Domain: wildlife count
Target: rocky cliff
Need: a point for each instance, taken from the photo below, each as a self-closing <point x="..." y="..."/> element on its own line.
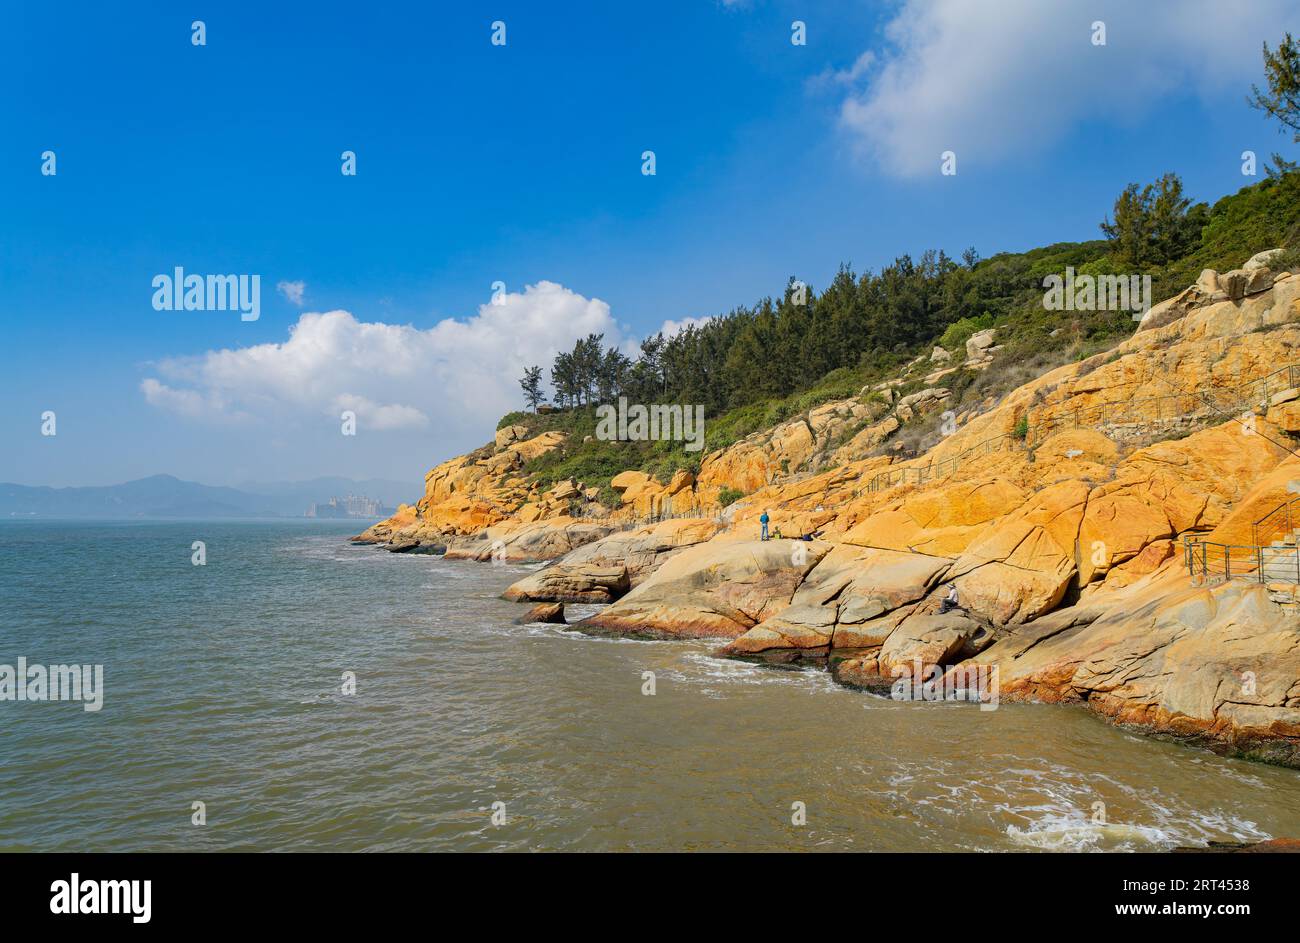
<point x="1064" y="513"/>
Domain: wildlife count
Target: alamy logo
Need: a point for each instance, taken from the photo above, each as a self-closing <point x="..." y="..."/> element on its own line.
<point x="1097" y="293"/>
<point x="76" y="896"/>
<point x="921" y="682"/>
<point x="26" y="682"/>
<point x="181" y="292"/>
<point x="657" y="422"/>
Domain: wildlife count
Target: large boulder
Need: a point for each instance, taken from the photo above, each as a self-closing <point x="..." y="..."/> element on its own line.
<point x="1233" y="284"/>
<point x="565" y="491"/>
<point x="1021" y="566"/>
<point x="582" y="574"/>
<point x="546" y="612"/>
<point x="865" y="440"/>
<point x="718" y="589"/>
<point x="844" y="601"/>
<point x="978" y="344"/>
<point x="628" y="479"/>
<point x="402" y="545"/>
<point x="1215" y="664"/>
<point x="801" y="626"/>
<point x="582" y="582"/>
<point x="527" y="543"/>
<point x="921" y="402"/>
<point x="682" y="480"/>
<point x="930" y="640"/>
<point x="508" y="435"/>
<point x="1241" y="282"/>
<point x="1263" y="260"/>
<point x="1259" y="280"/>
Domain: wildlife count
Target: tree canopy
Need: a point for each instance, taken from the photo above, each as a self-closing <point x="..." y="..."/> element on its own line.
<point x="1282" y="101"/>
<point x="1154" y="225"/>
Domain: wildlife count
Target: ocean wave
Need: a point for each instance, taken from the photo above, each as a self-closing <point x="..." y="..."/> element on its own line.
<point x="1075" y="833"/>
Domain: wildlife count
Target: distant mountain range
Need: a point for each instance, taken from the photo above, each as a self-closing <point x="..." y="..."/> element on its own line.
<point x="168" y="496"/>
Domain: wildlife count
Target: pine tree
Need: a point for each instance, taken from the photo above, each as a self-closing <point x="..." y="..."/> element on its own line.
<point x="1282" y="71"/>
<point x="1130" y="232"/>
<point x="564" y="380"/>
<point x="614" y="366"/>
<point x="1154" y="224"/>
<point x="532" y="386"/>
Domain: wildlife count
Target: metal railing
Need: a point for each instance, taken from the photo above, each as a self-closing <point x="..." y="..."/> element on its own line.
<point x="1211" y="562"/>
<point x="1147" y="409"/>
<point x="695" y="511"/>
<point x="1173" y="405"/>
<point x="1281" y="521"/>
<point x="935" y="470"/>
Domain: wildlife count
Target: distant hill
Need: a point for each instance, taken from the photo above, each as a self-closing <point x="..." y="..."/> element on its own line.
<point x="163" y="496"/>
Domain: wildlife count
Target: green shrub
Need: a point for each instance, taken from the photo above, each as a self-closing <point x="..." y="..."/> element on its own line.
<point x="961" y="330"/>
<point x="514" y="419"/>
<point x="729" y="496"/>
<point x="1289" y="259"/>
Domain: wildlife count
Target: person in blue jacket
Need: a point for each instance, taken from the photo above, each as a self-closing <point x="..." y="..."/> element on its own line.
<point x="763" y="520"/>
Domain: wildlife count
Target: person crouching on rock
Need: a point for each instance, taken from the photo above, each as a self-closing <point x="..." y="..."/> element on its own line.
<point x="950" y="601"/>
<point x="763" y="521"/>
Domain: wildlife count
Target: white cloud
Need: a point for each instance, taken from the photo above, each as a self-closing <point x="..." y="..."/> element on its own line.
<point x="293" y="291"/>
<point x="991" y="81"/>
<point x="459" y="375"/>
<point x="189" y="403"/>
<point x="381" y="416"/>
<point x="831" y="77"/>
<point x="671" y="327"/>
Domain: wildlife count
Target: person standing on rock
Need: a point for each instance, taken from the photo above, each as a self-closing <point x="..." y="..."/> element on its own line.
<point x="763" y="520"/>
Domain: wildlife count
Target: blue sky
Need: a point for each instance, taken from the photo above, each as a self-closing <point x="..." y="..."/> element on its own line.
<point x="522" y="164"/>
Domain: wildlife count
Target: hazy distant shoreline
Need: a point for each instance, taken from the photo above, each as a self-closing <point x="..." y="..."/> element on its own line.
<point x="165" y="497"/>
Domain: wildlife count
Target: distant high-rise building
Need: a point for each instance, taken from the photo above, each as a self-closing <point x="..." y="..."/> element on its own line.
<point x="351" y="505"/>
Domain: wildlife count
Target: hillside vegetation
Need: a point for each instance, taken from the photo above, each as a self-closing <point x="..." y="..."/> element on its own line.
<point x="758" y="366"/>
